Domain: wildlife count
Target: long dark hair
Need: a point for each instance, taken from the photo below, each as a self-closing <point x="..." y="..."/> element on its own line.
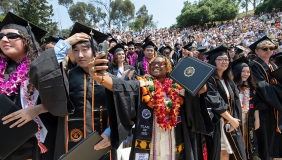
<point x="238" y="79"/>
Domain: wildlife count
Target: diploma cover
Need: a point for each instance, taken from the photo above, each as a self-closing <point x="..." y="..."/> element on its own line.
<point x="85" y="149"/>
<point x="192" y="73"/>
<point x="12" y="138"/>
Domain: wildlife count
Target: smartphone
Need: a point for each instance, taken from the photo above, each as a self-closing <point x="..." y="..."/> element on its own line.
<point x="227" y="127"/>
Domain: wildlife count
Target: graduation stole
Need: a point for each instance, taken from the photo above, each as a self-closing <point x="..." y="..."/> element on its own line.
<point x="271" y="81"/>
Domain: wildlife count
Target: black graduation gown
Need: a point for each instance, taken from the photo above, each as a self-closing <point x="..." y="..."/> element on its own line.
<point x="216" y="99"/>
<point x="140" y="69"/>
<point x="176" y="57"/>
<point x="30" y="148"/>
<point x="126" y="110"/>
<point x="269" y="97"/>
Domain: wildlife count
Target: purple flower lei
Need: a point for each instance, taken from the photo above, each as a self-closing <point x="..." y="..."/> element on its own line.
<point x="9" y="87"/>
<point x="132" y="58"/>
<point x="145" y="65"/>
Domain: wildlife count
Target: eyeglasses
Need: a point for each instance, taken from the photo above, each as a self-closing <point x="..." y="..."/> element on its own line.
<point x="158" y="63"/>
<point x="222" y="60"/>
<point x="10" y="35"/>
<point x="130" y="48"/>
<point x="266" y="49"/>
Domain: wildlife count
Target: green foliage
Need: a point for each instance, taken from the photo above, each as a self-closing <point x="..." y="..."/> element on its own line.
<point x="205" y="11"/>
<point x="143" y="19"/>
<point x="1" y="17"/>
<point x="65" y="32"/>
<point x="115" y="12"/>
<point x="8" y="5"/>
<point x="38" y="13"/>
<point x="268" y="6"/>
<point x="66" y="3"/>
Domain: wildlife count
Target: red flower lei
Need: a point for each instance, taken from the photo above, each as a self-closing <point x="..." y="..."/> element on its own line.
<point x="166" y="108"/>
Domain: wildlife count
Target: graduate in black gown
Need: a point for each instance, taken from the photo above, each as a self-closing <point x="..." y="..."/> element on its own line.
<point x="132" y="105"/>
<point x="166" y="51"/>
<point x="268" y="101"/>
<point x="19" y="47"/>
<point x="150" y="51"/>
<point x="246" y="85"/>
<point x="223" y="99"/>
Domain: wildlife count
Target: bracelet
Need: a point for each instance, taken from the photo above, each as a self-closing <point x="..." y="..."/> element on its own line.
<point x="103" y="80"/>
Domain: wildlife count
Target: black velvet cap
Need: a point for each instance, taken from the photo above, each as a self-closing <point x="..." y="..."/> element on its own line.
<point x="51" y="39"/>
<point x="202" y="49"/>
<point x="150" y="44"/>
<point x="239" y="49"/>
<point x="254" y="45"/>
<point x="148" y="39"/>
<point x="130" y="44"/>
<point x="113" y="40"/>
<point x="116" y="48"/>
<point x="240" y="60"/>
<point x="98" y="36"/>
<point x="168" y="48"/>
<point x="218" y="51"/>
<point x="188" y="46"/>
<point x="12" y="21"/>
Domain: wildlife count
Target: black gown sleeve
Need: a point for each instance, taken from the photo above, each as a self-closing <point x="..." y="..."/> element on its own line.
<point x="122" y="105"/>
<point x="213" y="98"/>
<point x="271" y="94"/>
<point x="50" y="80"/>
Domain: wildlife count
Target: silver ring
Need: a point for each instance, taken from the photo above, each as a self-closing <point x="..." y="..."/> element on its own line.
<point x="92" y="69"/>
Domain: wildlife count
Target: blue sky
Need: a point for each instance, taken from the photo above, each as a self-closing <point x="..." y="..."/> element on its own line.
<point x="164" y="11"/>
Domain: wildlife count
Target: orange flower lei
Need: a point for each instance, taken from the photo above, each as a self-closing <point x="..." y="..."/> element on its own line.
<point x="166" y="109"/>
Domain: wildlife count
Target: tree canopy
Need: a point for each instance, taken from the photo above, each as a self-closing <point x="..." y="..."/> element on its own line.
<point x="205" y="11"/>
<point x="268" y="6"/>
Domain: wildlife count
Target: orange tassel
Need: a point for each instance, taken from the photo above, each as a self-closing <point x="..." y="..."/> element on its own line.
<point x="43" y="149"/>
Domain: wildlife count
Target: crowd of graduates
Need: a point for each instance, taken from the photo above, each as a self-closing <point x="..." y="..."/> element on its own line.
<point x="119" y="86"/>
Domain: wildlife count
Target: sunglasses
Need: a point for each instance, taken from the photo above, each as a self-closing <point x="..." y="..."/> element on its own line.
<point x="10" y="35"/>
<point x="158" y="63"/>
<point x="130" y="48"/>
<point x="266" y="49"/>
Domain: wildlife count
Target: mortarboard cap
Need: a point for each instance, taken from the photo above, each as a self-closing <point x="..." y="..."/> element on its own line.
<point x="113" y="40"/>
<point x="188" y="46"/>
<point x="276" y="55"/>
<point x="149" y="44"/>
<point x="99" y="37"/>
<point x="130" y="43"/>
<point x="218" y="51"/>
<point x="167" y="48"/>
<point x="123" y="43"/>
<point x="254" y="45"/>
<point x="240" y="61"/>
<point x="138" y="44"/>
<point x="148" y="39"/>
<point x="116" y="48"/>
<point x="12" y="21"/>
<point x="51" y="39"/>
<point x="202" y="49"/>
<point x="239" y="49"/>
<point x="161" y="49"/>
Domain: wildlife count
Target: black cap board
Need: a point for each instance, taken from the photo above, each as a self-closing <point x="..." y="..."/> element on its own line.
<point x="167" y="48"/>
<point x="98" y="36"/>
<point x="113" y="40"/>
<point x="116" y="48"/>
<point x="130" y="44"/>
<point x="148" y="39"/>
<point x="254" y="45"/>
<point x="150" y="44"/>
<point x="218" y="51"/>
<point x="51" y="39"/>
<point x="202" y="49"/>
<point x="138" y="44"/>
<point x="188" y="46"/>
<point x="12" y="21"/>
<point x="240" y="60"/>
<point x="239" y="49"/>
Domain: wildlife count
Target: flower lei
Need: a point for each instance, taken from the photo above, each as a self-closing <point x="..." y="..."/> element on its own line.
<point x="166" y="108"/>
<point x="145" y="65"/>
<point x="17" y="78"/>
<point x="132" y="58"/>
<point x="246" y="99"/>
